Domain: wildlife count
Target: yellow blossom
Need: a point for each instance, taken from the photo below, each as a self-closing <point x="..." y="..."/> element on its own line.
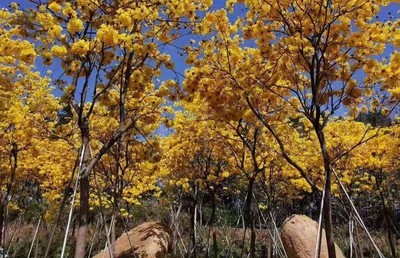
<point x="28" y="55"/>
<point x="108" y="35"/>
<point x="55" y="31"/>
<point x="81" y="47"/>
<point x="55" y="7"/>
<point x="59" y="51"/>
<point x="74" y="25"/>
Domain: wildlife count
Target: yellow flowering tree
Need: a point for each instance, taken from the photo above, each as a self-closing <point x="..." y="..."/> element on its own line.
<point x="370" y="171"/>
<point x="110" y="53"/>
<point x="250" y="158"/>
<point x="197" y="165"/>
<point x="291" y="59"/>
<point x="28" y="114"/>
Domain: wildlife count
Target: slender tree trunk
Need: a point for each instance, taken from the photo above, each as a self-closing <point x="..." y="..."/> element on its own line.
<point x="193" y="227"/>
<point x="328" y="218"/>
<point x="388" y="227"/>
<point x="327" y="212"/>
<point x="252" y="240"/>
<point x="113" y="235"/>
<point x="6" y="243"/>
<point x="193" y="222"/>
<point x="175" y="234"/>
<point x="2" y="210"/>
<point x="211" y="230"/>
<point x="390" y="238"/>
<point x="81" y="241"/>
<point x="264" y="252"/>
<point x="215" y="243"/>
<point x="5" y="200"/>
<point x="386" y="214"/>
<point x="80" y="248"/>
<point x="249" y="217"/>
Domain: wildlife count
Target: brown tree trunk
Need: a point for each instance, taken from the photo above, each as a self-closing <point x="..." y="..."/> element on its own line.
<point x="328" y="218"/>
<point x="80" y="248"/>
<point x="1" y="225"/>
<point x="249" y="217"/>
<point x="193" y="222"/>
<point x="327" y="212"/>
<point x="386" y="214"/>
<point x="81" y="236"/>
<point x="390" y="238"/>
<point x="215" y="243"/>
<point x="388" y="227"/>
<point x="252" y="240"/>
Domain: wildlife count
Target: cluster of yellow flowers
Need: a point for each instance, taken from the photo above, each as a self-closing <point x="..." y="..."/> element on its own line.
<point x="108" y="35"/>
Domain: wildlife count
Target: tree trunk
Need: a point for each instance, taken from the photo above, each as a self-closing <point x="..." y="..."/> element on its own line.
<point x="193" y="222"/>
<point x="81" y="236"/>
<point x="390" y="238"/>
<point x="215" y="244"/>
<point x="113" y="236"/>
<point x="252" y="240"/>
<point x="386" y="215"/>
<point x="80" y="248"/>
<point x="328" y="218"/>
<point x="1" y="225"/>
<point x="388" y="227"/>
<point x="193" y="229"/>
<point x="327" y="212"/>
<point x="249" y="217"/>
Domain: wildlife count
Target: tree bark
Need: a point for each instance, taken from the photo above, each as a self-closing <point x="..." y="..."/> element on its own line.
<point x="327" y="212"/>
<point x="80" y="247"/>
<point x="328" y="218"/>
<point x="386" y="215"/>
<point x="249" y="217"/>
<point x="193" y="222"/>
<point x="388" y="227"/>
<point x="193" y="231"/>
<point x="113" y="236"/>
<point x="211" y="230"/>
<point x="215" y="244"/>
<point x="1" y="225"/>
